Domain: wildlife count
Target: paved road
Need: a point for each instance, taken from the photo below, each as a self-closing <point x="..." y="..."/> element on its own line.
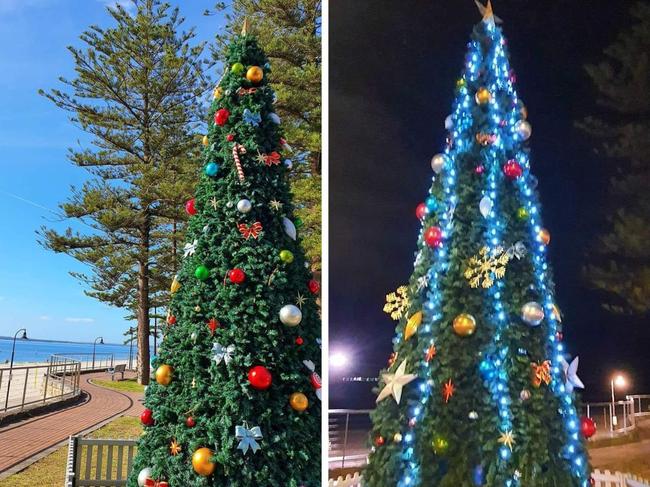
<point x="25" y="440"/>
<point x="632" y="457"/>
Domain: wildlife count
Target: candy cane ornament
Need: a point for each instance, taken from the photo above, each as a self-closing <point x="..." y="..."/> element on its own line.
<point x="238" y="149"/>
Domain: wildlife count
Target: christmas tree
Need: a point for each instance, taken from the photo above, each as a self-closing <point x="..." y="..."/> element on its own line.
<point x="478" y="390"/>
<point x="236" y="399"/>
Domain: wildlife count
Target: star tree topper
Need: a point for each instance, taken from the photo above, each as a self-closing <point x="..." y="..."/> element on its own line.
<point x="487" y="13"/>
<point x="395" y="383"/>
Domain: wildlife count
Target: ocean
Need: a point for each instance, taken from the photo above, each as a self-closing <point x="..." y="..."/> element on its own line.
<point x="34" y="350"/>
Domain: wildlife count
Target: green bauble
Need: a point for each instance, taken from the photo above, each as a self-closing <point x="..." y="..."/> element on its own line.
<point x="237" y="68"/>
<point x="202" y="273"/>
<point x="297" y="222"/>
<point x="286" y="256"/>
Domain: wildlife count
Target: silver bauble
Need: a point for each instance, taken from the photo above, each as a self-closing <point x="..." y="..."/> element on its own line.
<point x="438" y="163"/>
<point x="524" y="395"/>
<point x="523" y="129"/>
<point x="144" y="474"/>
<point x="244" y="206"/>
<point x="290" y="315"/>
<point x="288" y="163"/>
<point x="449" y="122"/>
<point x="532" y="313"/>
<point x="473" y="415"/>
<point x="194" y="336"/>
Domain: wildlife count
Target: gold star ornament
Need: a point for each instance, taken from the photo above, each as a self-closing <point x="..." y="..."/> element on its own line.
<point x="507" y="439"/>
<point x="174" y="448"/>
<point x="300" y="300"/>
<point x="394" y="383"/>
<point x="276" y="205"/>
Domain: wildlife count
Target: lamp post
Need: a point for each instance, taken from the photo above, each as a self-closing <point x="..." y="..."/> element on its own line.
<point x="11" y="365"/>
<point x="617" y="381"/>
<point x="101" y="342"/>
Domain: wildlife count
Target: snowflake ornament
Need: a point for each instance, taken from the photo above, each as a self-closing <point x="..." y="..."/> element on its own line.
<point x="483" y="269"/>
<point x="397" y="303"/>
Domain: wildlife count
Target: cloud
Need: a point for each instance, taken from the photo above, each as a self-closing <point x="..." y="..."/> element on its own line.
<point x="127" y="5"/>
<point x="79" y="320"/>
<point x="45" y="318"/>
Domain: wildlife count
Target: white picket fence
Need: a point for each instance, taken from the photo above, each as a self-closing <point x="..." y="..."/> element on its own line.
<point x="603" y="479"/>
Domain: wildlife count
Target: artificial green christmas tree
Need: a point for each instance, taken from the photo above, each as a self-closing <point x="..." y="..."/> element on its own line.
<point x="236" y="400"/>
<point x="478" y="391"/>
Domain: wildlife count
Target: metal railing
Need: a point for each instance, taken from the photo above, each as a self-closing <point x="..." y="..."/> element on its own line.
<point x="89" y="361"/>
<point x="349" y="428"/>
<point x="99" y="462"/>
<point x="348" y="433"/>
<point x="27" y="386"/>
<point x="617" y="418"/>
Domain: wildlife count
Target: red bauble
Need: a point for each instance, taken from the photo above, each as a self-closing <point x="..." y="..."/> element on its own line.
<point x="230" y="137"/>
<point x="260" y="377"/>
<point x="146" y="417"/>
<point x="315" y="380"/>
<point x="480" y="169"/>
<point x="421" y="211"/>
<point x="171" y="320"/>
<point x="300" y="341"/>
<point x="236" y="276"/>
<point x="190" y="207"/>
<point x="559" y="336"/>
<point x="433" y="236"/>
<point x="314" y="286"/>
<point x="221" y="116"/>
<point x="587" y="426"/>
<point x="189" y="422"/>
<point x="512" y="169"/>
<point x="379" y="440"/>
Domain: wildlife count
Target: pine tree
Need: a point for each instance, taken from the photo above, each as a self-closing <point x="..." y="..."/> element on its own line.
<point x="478" y="391"/>
<point x="236" y="399"/>
<point x="619" y="263"/>
<point x="134" y="94"/>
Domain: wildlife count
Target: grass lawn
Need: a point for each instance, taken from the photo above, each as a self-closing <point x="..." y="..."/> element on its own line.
<point x="50" y="471"/>
<point x="126" y="385"/>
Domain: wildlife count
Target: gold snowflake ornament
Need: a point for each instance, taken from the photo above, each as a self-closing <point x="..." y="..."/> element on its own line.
<point x="397" y="303"/>
<point x="483" y="269"/>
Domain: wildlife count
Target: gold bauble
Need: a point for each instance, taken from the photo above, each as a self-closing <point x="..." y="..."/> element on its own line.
<point x="205" y="140"/>
<point x="440" y="445"/>
<point x="522" y="213"/>
<point x="545" y="236"/>
<point x="464" y="325"/>
<point x="201" y="462"/>
<point x="483" y="96"/>
<point x="412" y="325"/>
<point x="397" y="438"/>
<point x="299" y="401"/>
<point x="460" y="83"/>
<point x="164" y="375"/>
<point x="254" y="74"/>
<point x="217" y="93"/>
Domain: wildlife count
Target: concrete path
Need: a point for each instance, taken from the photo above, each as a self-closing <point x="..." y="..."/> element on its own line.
<point x="631" y="457"/>
<point x="30" y="439"/>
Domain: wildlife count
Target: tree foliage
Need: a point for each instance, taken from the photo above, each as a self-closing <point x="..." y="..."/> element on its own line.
<point x="134" y="92"/>
<point x="289" y="32"/>
<point x="619" y="263"/>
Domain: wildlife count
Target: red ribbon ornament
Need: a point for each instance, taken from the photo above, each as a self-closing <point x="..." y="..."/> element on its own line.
<point x="272" y="159"/>
<point x="250" y="231"/>
<point x="246" y="91"/>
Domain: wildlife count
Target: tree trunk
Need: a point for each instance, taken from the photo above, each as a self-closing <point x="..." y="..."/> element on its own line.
<point x="143" y="307"/>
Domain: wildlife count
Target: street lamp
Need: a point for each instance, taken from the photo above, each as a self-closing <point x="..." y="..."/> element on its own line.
<point x="339" y="360"/>
<point x="11" y="365"/>
<point x="619" y="382"/>
<point x="101" y="342"/>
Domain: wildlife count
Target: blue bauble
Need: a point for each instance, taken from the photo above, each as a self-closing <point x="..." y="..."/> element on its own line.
<point x="478" y="475"/>
<point x="431" y="203"/>
<point x="211" y="169"/>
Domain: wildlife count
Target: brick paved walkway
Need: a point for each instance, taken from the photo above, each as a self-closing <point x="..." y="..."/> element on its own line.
<point x="26" y="439"/>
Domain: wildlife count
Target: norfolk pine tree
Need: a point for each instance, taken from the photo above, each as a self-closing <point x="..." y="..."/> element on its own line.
<point x="620" y="261"/>
<point x="134" y="92"/>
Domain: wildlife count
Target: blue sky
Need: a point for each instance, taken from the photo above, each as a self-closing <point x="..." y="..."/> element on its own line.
<point x="36" y="290"/>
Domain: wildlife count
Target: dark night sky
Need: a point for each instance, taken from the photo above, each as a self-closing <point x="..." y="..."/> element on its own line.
<point x="393" y="66"/>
